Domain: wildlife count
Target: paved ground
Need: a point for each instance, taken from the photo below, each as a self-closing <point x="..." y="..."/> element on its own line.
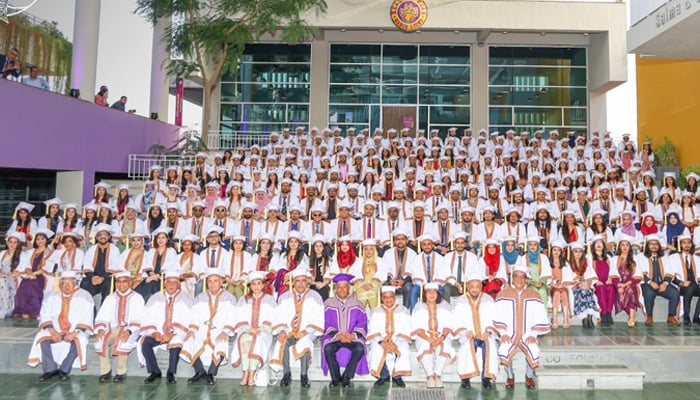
<point x="85" y="388"/>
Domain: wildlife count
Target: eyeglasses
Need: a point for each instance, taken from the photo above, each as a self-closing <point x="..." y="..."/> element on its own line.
<point x="220" y="210"/>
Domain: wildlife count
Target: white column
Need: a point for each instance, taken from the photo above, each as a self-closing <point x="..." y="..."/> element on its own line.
<point x="159" y="76"/>
<point x="86" y="30"/>
<point x="69" y="186"/>
<point x="479" y="87"/>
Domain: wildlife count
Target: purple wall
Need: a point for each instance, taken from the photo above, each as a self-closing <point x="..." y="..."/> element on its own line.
<point x="44" y="130"/>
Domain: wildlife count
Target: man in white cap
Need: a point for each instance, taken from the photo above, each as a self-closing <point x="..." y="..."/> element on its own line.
<point x="459" y="263"/>
<point x="247" y="227"/>
<point x="213" y="319"/>
<point x="658" y="279"/>
<point x="99" y="262"/>
<point x="686" y="278"/>
<point x="473" y="325"/>
<point x="220" y="218"/>
<point x="65" y="325"/>
<point x="197" y="223"/>
<point x="164" y="327"/>
<point x="389" y="334"/>
<point x="513" y="305"/>
<point x="300" y="321"/>
<point x="117" y="324"/>
<point x="427" y="267"/>
<point x="397" y="261"/>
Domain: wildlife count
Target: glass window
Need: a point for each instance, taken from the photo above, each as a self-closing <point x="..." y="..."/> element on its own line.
<point x="538" y="88"/>
<point x="404" y="54"/>
<point x="435" y="78"/>
<point x="349" y="114"/>
<point x="269" y="90"/>
<point x="355" y="94"/>
<point x="443" y="75"/>
<point x="355" y="53"/>
<point x="444" y="55"/>
<point x="507" y="95"/>
<point x="534" y="77"/>
<point x="457" y="95"/>
<point x="537" y="56"/>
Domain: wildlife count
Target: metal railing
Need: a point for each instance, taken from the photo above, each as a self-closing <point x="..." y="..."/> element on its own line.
<point x="227" y="140"/>
<point x="140" y="164"/>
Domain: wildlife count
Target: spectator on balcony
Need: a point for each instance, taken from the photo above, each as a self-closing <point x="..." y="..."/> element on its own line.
<point x="10" y="65"/>
<point x="117" y="105"/>
<point x="101" y="96"/>
<point x="35" y="80"/>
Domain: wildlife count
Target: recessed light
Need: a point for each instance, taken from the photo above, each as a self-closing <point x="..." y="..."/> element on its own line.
<point x="456" y="31"/>
<point x="381" y="31"/>
<point x="343" y="30"/>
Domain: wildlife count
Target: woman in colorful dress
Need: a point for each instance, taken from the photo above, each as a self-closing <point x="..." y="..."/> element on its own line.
<point x="604" y="288"/>
<point x="289" y="259"/>
<point x="557" y="288"/>
<point x="540" y="270"/>
<point x="580" y="279"/>
<point x="626" y="280"/>
<point x="10" y="259"/>
<point x="30" y="292"/>
<point x="494" y="268"/>
<point x="345" y="257"/>
<point x="262" y="260"/>
<point x="368" y="274"/>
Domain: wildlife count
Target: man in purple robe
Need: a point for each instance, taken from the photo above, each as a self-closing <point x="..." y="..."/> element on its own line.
<point x="343" y="343"/>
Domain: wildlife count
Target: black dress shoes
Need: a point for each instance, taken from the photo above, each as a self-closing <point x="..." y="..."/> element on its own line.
<point x="62" y="376"/>
<point x="346" y="381"/>
<point x="171" y="378"/>
<point x="47" y="375"/>
<point x="381" y="381"/>
<point x="210" y="379"/>
<point x="119" y="378"/>
<point x="398" y="381"/>
<point x="286" y="379"/>
<point x="152" y="377"/>
<point x="305" y="381"/>
<point x="333" y="383"/>
<point x="197" y="377"/>
<point x="106" y="377"/>
<point x="466" y="384"/>
<point x="486" y="383"/>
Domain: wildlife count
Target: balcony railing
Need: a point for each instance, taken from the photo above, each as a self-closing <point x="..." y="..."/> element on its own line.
<point x="140" y="164"/>
<point x="227" y="140"/>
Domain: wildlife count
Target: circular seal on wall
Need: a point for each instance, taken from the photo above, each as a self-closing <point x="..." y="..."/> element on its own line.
<point x="408" y="15"/>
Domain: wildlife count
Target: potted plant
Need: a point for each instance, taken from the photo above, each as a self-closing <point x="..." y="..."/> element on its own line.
<point x="665" y="159"/>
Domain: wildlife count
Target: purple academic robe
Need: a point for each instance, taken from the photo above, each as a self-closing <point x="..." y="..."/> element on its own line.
<point x="348" y="319"/>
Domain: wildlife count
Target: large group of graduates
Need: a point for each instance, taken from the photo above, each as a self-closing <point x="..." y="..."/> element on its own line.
<point x="467" y="245"/>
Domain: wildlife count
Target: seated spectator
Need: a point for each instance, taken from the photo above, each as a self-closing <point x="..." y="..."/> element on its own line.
<point x="120" y="104"/>
<point x="10" y="65"/>
<point x="35" y="80"/>
<point x="101" y="96"/>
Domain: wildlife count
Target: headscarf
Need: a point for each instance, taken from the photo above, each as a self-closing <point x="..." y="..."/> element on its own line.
<point x="533" y="257"/>
<point x="346" y="258"/>
<point x="674" y="230"/>
<point x="510" y="256"/>
<point x="492" y="261"/>
<point x="648" y="230"/>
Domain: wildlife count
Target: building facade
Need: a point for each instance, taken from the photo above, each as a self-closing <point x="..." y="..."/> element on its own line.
<point x="495" y="65"/>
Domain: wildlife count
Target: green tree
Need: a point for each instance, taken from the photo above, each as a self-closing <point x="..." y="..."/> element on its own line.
<point x="213" y="33"/>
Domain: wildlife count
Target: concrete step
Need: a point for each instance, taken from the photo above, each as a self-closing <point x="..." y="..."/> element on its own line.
<point x="577" y="377"/>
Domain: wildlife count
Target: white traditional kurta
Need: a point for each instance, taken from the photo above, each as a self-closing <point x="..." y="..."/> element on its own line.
<point x="211" y="314"/>
<point x="80" y="310"/>
<point x="395" y="324"/>
<point x="255" y="313"/>
<point x="311" y="319"/>
<point x="119" y="315"/>
<point x="154" y="320"/>
<point x="475" y="317"/>
<point x="520" y="315"/>
<point x="433" y="324"/>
